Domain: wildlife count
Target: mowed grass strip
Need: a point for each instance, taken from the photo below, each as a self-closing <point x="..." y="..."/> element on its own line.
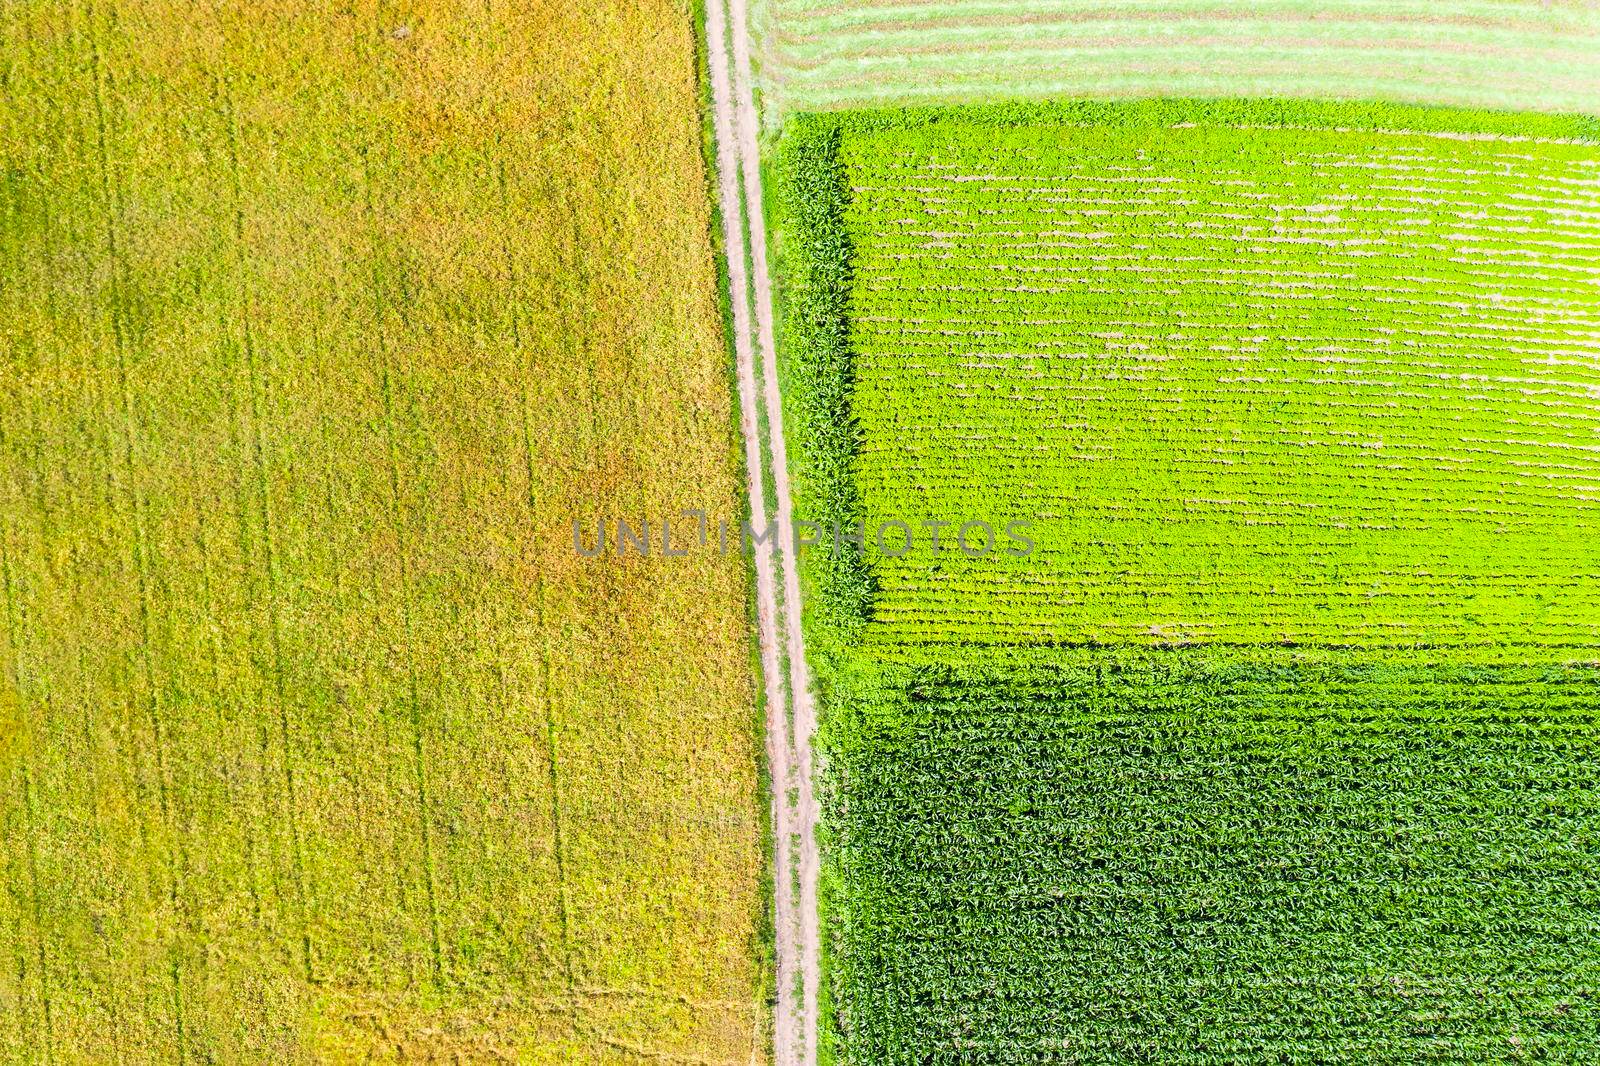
<point x="1197" y="856"/>
<point x="1522" y="54"/>
<point x="317" y="743"/>
<point x="1251" y="372"/>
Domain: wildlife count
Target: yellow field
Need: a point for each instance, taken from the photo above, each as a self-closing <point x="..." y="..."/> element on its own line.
<point x="317" y="741"/>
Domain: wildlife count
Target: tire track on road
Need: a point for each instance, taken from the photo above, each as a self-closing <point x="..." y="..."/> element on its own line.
<point x="790" y="725"/>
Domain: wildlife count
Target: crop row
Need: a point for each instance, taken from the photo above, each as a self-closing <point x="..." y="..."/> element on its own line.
<point x="1280" y="397"/>
<point x="1498" y="53"/>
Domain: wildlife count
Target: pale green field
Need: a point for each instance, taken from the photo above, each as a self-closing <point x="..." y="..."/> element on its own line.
<point x="317" y="743"/>
<point x="1521" y="54"/>
<point x="1247" y="384"/>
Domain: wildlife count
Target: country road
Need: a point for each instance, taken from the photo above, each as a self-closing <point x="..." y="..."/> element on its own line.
<point x="791" y="711"/>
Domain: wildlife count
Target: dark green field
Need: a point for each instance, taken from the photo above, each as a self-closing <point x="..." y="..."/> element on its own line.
<point x="1201" y="857"/>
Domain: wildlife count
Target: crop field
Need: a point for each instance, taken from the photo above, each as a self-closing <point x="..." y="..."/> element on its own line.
<point x="1188" y="856"/>
<point x="317" y="742"/>
<point x="1522" y="54"/>
<point x="1250" y="381"/>
<point x="1277" y="742"/>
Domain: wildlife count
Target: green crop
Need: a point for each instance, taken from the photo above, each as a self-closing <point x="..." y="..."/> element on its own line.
<point x="1173" y="856"/>
<point x="1279" y="745"/>
<point x="1250" y="372"/>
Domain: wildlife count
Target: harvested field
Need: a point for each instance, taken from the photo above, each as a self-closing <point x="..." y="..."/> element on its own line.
<point x="317" y="742"/>
<point x="1523" y="54"/>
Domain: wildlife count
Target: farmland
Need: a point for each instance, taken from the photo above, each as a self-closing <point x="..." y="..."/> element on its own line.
<point x="1203" y="857"/>
<point x="317" y="743"/>
<point x="1278" y="742"/>
<point x="1521" y="54"/>
<point x="1251" y="384"/>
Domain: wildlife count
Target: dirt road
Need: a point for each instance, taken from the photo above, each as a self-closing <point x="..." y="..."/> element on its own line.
<point x="791" y="722"/>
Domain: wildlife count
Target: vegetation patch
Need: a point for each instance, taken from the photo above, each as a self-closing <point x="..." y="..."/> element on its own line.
<point x="1277" y="743"/>
<point x="1187" y="856"/>
<point x="1526" y="54"/>
<point x="1248" y="371"/>
<point x="321" y="325"/>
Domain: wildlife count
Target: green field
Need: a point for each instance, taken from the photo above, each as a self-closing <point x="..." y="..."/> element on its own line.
<point x="1164" y="857"/>
<point x="1248" y="381"/>
<point x="1279" y="744"/>
<point x="317" y="741"/>
<point x="1523" y="54"/>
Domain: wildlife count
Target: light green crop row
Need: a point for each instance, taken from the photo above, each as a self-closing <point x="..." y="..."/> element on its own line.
<point x="1250" y="375"/>
<point x="1527" y="54"/>
<point x="1247" y="373"/>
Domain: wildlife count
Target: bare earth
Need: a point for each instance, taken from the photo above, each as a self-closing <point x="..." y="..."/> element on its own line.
<point x="791" y="723"/>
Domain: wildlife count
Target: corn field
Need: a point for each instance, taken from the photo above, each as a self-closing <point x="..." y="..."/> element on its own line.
<point x="1278" y="745"/>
